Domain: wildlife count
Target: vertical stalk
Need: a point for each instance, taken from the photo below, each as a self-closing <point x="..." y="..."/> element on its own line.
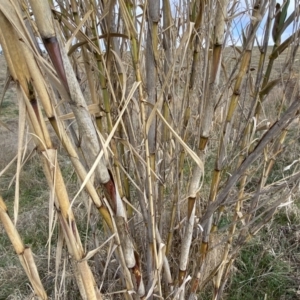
<point x="128" y="14"/>
<point x="236" y="217"/>
<point x="151" y="84"/>
<point x="24" y="253"/>
<point x="232" y="107"/>
<point x="165" y="139"/>
<point x="10" y="40"/>
<point x="90" y="143"/>
<point x="208" y="110"/>
<point x="225" y="264"/>
<point x="102" y="76"/>
<point x="86" y="59"/>
<point x="182" y="155"/>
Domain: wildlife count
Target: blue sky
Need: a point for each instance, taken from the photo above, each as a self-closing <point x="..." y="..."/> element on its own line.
<point x="242" y="20"/>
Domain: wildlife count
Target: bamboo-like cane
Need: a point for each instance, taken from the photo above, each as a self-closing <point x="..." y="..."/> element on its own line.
<point x="103" y="72"/>
<point x="128" y="15"/>
<point x="89" y="136"/>
<point x="63" y="204"/>
<point x="236" y="217"/>
<point x="24" y="253"/>
<point x="150" y="155"/>
<point x="120" y="82"/>
<point x="220" y="286"/>
<point x="21" y="72"/>
<point x="221" y="13"/>
<point x="244" y="146"/>
<point x="232" y="106"/>
<point x="165" y="138"/>
<point x="153" y="16"/>
<point x="87" y="62"/>
<point x="280" y="16"/>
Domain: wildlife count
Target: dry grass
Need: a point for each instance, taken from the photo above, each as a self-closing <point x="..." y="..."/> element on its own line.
<point x="224" y="160"/>
<point x="33" y="218"/>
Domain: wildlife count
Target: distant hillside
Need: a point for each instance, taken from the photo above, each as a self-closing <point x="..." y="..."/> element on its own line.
<point x="280" y="64"/>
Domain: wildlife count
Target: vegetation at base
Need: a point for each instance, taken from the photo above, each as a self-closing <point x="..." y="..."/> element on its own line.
<point x="260" y="275"/>
<point x="149" y="150"/>
<point x="267" y="268"/>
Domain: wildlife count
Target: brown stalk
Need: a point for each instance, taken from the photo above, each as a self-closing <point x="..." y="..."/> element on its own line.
<point x="90" y="140"/>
